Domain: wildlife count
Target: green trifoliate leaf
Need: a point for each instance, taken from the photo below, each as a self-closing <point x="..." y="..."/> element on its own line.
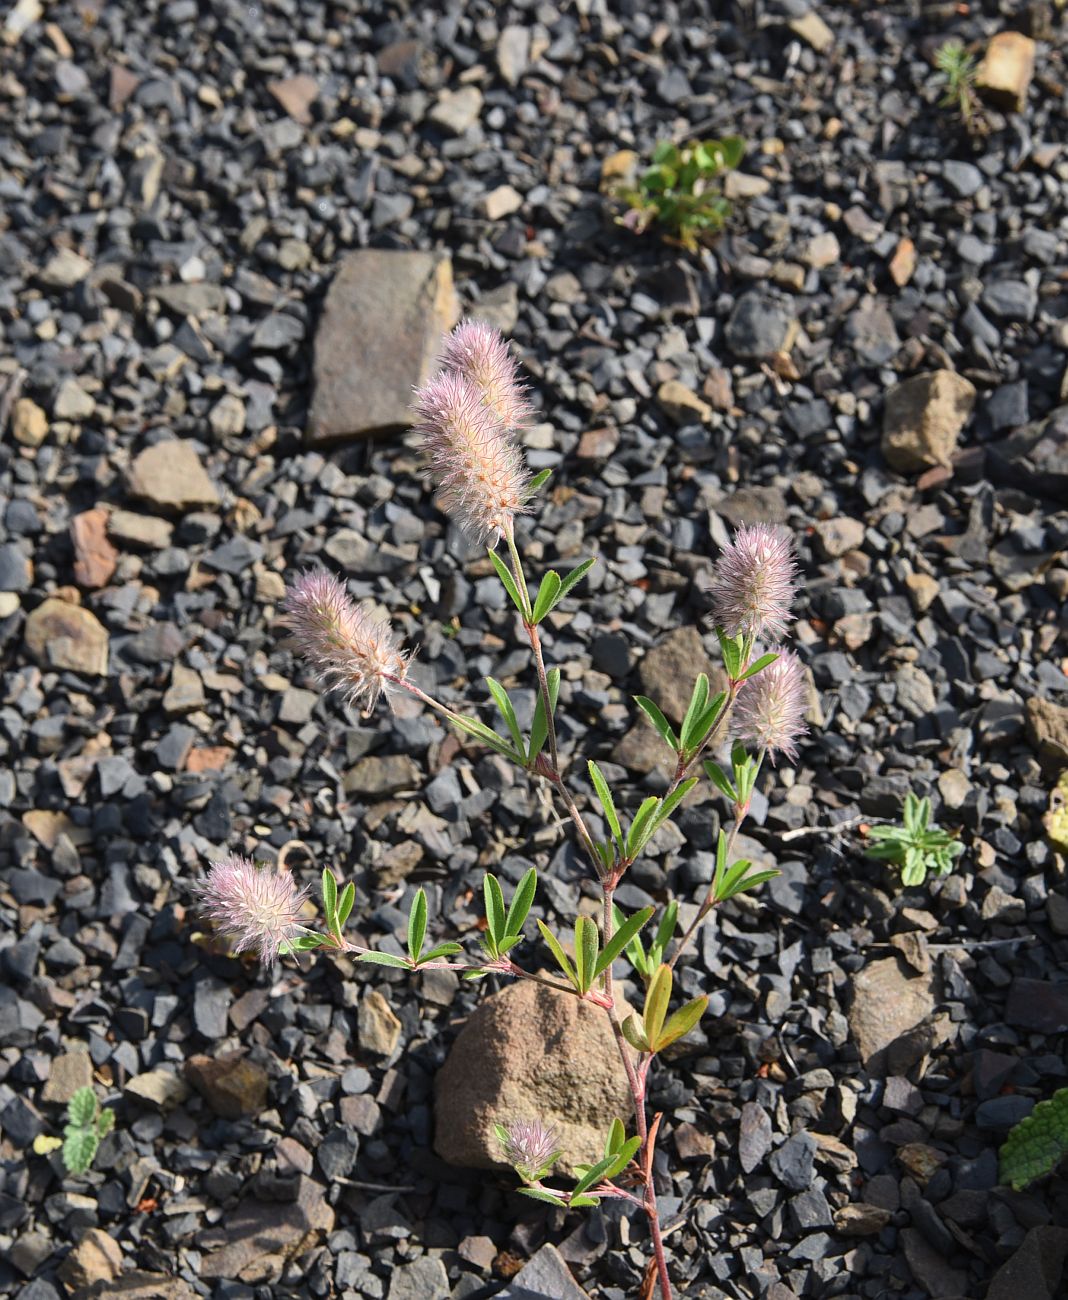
<point x="657" y="998"/>
<point x="302" y="943"/>
<point x="698" y="699"/>
<point x="720" y="780"/>
<point x="442" y="950"/>
<point x="617" y="1135"/>
<point x="586" y="944"/>
<point x="472" y="727"/>
<point x="732" y="649"/>
<point x="641" y="828"/>
<point x="593" y="1176"/>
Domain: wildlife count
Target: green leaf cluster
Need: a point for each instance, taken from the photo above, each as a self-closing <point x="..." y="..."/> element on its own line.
<point x="737" y="877"/>
<point x="504" y="928"/>
<point x="656" y="1030"/>
<point x="915" y="846"/>
<point x="619" y="1151"/>
<point x="653" y="813"/>
<point x="702" y="714"/>
<point x="514" y="748"/>
<point x="745" y="769"/>
<point x="1037" y="1144"/>
<point x="679" y="191"/>
<point x="647" y="962"/>
<point x="550" y="593"/>
<point x="591" y="960"/>
<point x="959" y="69"/>
<point x="87" y="1126"/>
<point x="417" y="922"/>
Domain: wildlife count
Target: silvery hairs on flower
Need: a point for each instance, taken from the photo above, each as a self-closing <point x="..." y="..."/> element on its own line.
<point x="468" y="415"/>
<point x="347" y="647"/>
<point x="529" y="1145"/>
<point x="257" y="906"/>
<point x="754" y="583"/>
<point x="771" y="707"/>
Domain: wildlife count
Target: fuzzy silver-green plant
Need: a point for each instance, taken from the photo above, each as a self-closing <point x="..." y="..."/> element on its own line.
<point x="1037" y="1144"/>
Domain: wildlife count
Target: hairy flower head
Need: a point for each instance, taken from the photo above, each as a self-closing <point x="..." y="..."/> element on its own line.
<point x="259" y="907"/>
<point x="473" y="457"/>
<point x="754" y="583"/>
<point x="479" y="353"/>
<point x="346" y="646"/>
<point x="771" y="707"/>
<point x="529" y="1147"/>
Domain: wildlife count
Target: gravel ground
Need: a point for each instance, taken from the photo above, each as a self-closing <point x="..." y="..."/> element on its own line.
<point x="178" y="183"/>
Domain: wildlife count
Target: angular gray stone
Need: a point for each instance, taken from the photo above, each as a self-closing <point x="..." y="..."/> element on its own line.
<point x="423" y="1279"/>
<point x="544" y="1277"/>
<point x="379" y="336"/>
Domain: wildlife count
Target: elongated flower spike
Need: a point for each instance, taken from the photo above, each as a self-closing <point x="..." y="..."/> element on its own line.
<point x="754" y="583"/>
<point x="473" y="458"/>
<point x="479" y="353"/>
<point x="530" y="1147"/>
<point x="771" y="707"/>
<point x="258" y="907"/>
<point x="345" y="645"/>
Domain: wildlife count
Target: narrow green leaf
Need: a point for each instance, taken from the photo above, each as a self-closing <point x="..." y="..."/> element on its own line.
<point x="617" y="1135"/>
<point x="521" y="903"/>
<point x="607" y="803"/>
<point x="81" y="1109"/>
<point x="330" y="899"/>
<point x="634" y="1034"/>
<point x="540" y="1194"/>
<point x="720" y="780"/>
<point x="666" y="928"/>
<point x="547" y="595"/>
<point x="558" y="952"/>
<point x="593" y="1176"/>
<point x="735" y="872"/>
<point x="653" y="713"/>
<point x="345" y="902"/>
<point x="672" y="802"/>
<point x="656" y="1004"/>
<point x="472" y="727"/>
<point x="705" y="722"/>
<point x="383" y="959"/>
<point x="302" y="943"/>
<point x="586" y="944"/>
<point x="538" y="481"/>
<point x="721" y="866"/>
<point x="636" y="837"/>
<point x="576" y="575"/>
<point x="442" y="950"/>
<point x="750" y="882"/>
<point x="695" y="708"/>
<point x="620" y="939"/>
<point x="582" y="1202"/>
<point x="681" y="1022"/>
<point x="539" y="729"/>
<point x="621" y="1159"/>
<point x="491" y="888"/>
<point x="505" y="575"/>
<point x="758" y="666"/>
<point x="417" y="924"/>
<point x="500" y="696"/>
<point x="635" y="951"/>
<point x="731" y="649"/>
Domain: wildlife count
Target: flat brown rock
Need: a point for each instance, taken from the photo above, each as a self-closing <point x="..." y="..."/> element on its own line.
<point x="95" y="559"/>
<point x="888" y="1003"/>
<point x="254" y="1243"/>
<point x="383" y="322"/>
<point x="1004" y="75"/>
<point x="529" y="1053"/>
<point x="170" y="475"/>
<point x="923" y="419"/>
<point x="64" y="636"/>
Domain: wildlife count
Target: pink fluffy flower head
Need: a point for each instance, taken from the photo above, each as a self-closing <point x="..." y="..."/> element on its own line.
<point x="479" y="353"/>
<point x="771" y="707"/>
<point x="347" y="647"/>
<point x="473" y="457"/>
<point x="258" y="907"/>
<point x="754" y="583"/>
<point x="529" y="1146"/>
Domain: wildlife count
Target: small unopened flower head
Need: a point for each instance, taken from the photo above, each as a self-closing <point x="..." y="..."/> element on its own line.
<point x="771" y="707"/>
<point x="529" y="1146"/>
<point x="754" y="583"/>
<point x="473" y="458"/>
<point x="479" y="353"/>
<point x="348" y="648"/>
<point x="258" y="907"/>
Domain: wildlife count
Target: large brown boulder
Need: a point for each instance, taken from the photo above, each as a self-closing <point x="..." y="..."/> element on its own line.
<point x="529" y="1052"/>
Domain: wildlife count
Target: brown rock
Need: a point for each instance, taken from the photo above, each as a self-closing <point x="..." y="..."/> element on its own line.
<point x="231" y="1085"/>
<point x="62" y="636"/>
<point x="597" y="444"/>
<point x="296" y="95"/>
<point x="29" y="424"/>
<point x="1047" y="726"/>
<point x="95" y="1259"/>
<point x="1004" y="76"/>
<point x="254" y="1242"/>
<point x="529" y="1051"/>
<point x="69" y="1072"/>
<point x="669" y="670"/>
<point x="208" y="758"/>
<point x="923" y="419"/>
<point x="379" y="337"/>
<point x="682" y="404"/>
<point x="860" y="1219"/>
<point x="377" y="1025"/>
<point x="888" y="1002"/>
<point x="903" y="263"/>
<point x="160" y="1089"/>
<point x="95" y="559"/>
<point x="140" y="530"/>
<point x="170" y="475"/>
<point x="139" y="1286"/>
<point x="122" y="85"/>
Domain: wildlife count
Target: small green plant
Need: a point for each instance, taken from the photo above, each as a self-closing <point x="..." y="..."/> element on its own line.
<point x="958" y="67"/>
<point x="916" y="846"/>
<point x="680" y="190"/>
<point x="87" y="1125"/>
<point x="1056" y="820"/>
<point x="1037" y="1144"/>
